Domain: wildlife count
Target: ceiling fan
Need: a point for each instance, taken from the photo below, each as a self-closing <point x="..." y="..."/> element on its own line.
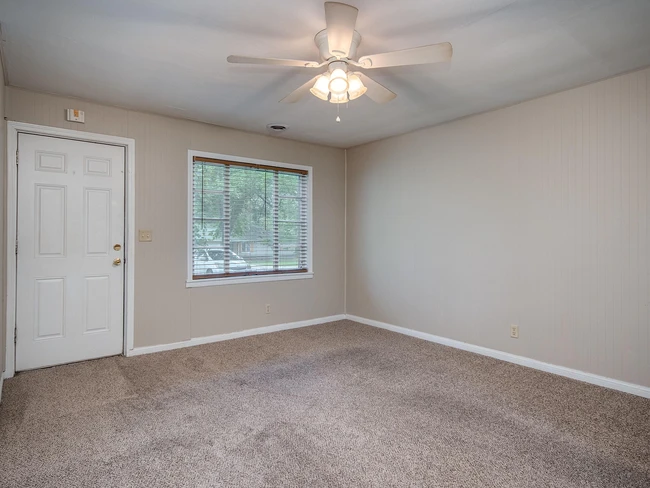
<point x="338" y="45"/>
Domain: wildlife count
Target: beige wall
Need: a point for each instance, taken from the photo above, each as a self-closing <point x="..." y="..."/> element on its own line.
<point x="3" y="179"/>
<point x="166" y="311"/>
<point x="535" y="215"/>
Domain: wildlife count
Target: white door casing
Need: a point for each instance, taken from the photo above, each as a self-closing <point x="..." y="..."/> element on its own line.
<point x="69" y="292"/>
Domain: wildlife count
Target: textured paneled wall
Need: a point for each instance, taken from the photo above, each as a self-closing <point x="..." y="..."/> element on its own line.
<point x="3" y="179"/>
<point x="535" y="215"/>
<point x="166" y="311"/>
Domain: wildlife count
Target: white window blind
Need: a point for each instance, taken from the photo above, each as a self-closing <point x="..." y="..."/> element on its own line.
<point x="248" y="219"/>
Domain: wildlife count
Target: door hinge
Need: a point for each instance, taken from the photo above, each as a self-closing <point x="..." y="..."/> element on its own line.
<point x="16" y="157"/>
<point x="16" y="336"/>
<point x="16" y="248"/>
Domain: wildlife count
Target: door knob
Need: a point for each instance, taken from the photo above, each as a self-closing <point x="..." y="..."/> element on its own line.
<point x="117" y="262"/>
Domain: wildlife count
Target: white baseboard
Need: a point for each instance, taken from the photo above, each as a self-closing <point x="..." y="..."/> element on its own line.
<point x="232" y="335"/>
<point x="642" y="391"/>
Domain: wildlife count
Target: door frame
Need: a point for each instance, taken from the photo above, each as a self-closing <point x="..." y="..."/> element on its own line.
<point x="13" y="130"/>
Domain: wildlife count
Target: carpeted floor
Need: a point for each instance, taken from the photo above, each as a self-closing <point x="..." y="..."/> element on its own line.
<point x="339" y="404"/>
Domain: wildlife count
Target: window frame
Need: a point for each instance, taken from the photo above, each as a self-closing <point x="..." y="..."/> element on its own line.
<point x="238" y="279"/>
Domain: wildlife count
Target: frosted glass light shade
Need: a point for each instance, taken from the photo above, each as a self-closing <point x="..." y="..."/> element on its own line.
<point x="356" y="88"/>
<point x="320" y="88"/>
<point x="338" y="81"/>
<point x="339" y="97"/>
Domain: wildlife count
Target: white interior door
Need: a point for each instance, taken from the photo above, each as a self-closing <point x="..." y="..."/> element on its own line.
<point x="70" y="286"/>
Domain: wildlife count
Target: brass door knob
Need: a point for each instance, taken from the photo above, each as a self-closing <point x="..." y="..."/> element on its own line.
<point x="117" y="262"/>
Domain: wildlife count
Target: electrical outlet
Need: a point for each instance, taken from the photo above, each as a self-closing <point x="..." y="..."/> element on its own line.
<point x="514" y="331"/>
<point x="145" y="236"/>
<point x="268" y="308"/>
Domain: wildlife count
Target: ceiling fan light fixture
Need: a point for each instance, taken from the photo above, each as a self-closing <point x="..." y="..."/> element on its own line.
<point x="356" y="88"/>
<point x="321" y="87"/>
<point x="338" y="83"/>
<point x="339" y="98"/>
<point x="337" y="45"/>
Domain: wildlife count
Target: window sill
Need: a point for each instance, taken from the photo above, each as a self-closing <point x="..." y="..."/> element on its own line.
<point x="247" y="279"/>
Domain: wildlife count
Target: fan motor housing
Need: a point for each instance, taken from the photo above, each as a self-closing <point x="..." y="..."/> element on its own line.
<point x="323" y="46"/>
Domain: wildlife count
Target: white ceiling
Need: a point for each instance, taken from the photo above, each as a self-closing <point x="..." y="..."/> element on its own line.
<point x="169" y="56"/>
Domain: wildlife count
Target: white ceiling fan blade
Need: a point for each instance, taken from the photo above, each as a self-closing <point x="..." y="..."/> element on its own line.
<point x="340" y="19"/>
<point x="273" y="61"/>
<point x="297" y="94"/>
<point x="435" y="53"/>
<point x="376" y="92"/>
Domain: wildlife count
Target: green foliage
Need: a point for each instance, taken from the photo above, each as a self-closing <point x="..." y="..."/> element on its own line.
<point x="251" y="193"/>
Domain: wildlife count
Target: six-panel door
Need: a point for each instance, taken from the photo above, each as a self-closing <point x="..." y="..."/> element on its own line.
<point x="70" y="288"/>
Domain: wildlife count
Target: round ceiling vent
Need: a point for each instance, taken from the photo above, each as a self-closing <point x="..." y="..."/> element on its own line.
<point x="277" y="127"/>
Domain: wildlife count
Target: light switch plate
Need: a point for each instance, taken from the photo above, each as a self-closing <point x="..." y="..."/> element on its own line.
<point x="145" y="236"/>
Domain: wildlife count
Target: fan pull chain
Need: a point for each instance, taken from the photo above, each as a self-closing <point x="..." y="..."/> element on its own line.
<point x="338" y="111"/>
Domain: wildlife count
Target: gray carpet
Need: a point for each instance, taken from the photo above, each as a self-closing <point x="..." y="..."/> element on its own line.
<point x="339" y="404"/>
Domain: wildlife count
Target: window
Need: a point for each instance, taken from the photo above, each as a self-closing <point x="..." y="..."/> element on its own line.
<point x="250" y="220"/>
